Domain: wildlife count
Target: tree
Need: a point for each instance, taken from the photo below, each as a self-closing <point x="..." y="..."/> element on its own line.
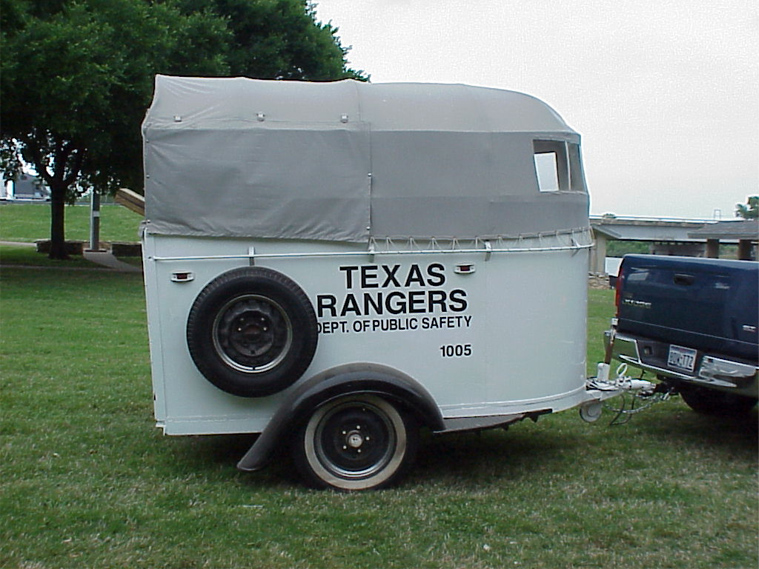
<point x="749" y="210"/>
<point x="279" y="39"/>
<point x="77" y="75"/>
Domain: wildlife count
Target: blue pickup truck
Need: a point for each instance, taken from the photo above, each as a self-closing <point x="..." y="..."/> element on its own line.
<point x="693" y="324"/>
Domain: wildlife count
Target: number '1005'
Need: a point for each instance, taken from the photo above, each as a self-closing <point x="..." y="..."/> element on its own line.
<point x="456" y="350"/>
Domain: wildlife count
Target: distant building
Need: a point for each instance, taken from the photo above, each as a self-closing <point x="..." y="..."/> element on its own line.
<point x="26" y="188"/>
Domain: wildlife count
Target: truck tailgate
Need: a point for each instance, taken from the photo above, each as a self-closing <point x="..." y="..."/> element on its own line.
<point x="695" y="303"/>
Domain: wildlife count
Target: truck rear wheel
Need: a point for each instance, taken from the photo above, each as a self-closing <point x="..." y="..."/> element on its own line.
<point x="355" y="442"/>
<point x="252" y="332"/>
<point x="712" y="402"/>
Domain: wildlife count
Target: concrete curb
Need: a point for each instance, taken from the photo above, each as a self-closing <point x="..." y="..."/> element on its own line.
<point x="106" y="259"/>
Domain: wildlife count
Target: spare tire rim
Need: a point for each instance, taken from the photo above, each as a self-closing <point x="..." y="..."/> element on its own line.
<point x="252" y="333"/>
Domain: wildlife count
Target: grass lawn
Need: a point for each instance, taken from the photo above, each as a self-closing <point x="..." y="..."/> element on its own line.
<point x="28" y="222"/>
<point x="87" y="481"/>
<point x="25" y="223"/>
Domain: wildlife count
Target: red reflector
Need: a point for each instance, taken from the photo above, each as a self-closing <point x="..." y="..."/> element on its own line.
<point x="618" y="292"/>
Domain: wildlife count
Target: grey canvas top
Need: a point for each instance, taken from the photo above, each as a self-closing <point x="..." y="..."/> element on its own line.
<point x="346" y="161"/>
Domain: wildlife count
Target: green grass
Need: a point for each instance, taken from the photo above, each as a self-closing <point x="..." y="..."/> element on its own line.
<point x="26" y="256"/>
<point x="21" y="255"/>
<point x="28" y="222"/>
<point x="25" y="223"/>
<point x="600" y="312"/>
<point x="87" y="481"/>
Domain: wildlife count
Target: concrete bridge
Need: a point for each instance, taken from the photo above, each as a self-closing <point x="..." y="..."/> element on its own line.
<point x="691" y="238"/>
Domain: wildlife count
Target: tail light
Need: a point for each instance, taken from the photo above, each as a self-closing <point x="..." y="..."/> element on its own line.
<point x="618" y="287"/>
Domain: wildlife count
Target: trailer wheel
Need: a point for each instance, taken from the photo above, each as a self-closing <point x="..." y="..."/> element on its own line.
<point x="712" y="402"/>
<point x="355" y="442"/>
<point x="252" y="332"/>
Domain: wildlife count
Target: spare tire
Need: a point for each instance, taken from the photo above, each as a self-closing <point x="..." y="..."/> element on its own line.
<point x="252" y="332"/>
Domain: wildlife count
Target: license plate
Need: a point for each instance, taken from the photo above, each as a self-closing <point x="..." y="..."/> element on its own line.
<point x="681" y="358"/>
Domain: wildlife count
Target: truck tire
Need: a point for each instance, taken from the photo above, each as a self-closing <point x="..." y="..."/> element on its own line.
<point x="252" y="332"/>
<point x="712" y="402"/>
<point x="355" y="442"/>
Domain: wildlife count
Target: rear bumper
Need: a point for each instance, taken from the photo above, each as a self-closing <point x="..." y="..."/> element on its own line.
<point x="714" y="372"/>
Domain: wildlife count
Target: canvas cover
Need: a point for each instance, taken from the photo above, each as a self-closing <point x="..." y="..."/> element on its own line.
<point x="346" y="161"/>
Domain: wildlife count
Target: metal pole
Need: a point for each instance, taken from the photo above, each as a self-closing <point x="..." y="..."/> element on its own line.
<point x="95" y="221"/>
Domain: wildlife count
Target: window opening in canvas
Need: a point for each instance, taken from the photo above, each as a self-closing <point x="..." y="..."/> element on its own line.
<point x="551" y="165"/>
<point x="558" y="166"/>
<point x="576" y="174"/>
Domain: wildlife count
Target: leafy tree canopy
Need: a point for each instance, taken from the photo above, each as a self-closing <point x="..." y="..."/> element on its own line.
<point x="749" y="210"/>
<point x="77" y="75"/>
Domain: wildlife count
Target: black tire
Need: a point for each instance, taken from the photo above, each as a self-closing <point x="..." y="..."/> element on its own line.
<point x="355" y="442"/>
<point x="712" y="402"/>
<point x="252" y="332"/>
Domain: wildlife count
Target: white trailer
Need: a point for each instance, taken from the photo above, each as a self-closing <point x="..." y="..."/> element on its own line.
<point x="337" y="265"/>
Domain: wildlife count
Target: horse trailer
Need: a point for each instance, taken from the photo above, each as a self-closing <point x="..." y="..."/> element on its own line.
<point x="336" y="266"/>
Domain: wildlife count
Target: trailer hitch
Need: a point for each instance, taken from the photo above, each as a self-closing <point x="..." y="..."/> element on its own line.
<point x="630" y="395"/>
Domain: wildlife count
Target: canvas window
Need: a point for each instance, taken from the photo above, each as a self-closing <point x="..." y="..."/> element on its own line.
<point x="558" y="166"/>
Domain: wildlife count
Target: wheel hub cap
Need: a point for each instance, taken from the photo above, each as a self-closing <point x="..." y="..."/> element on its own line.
<point x="355" y="439"/>
<point x="252" y="334"/>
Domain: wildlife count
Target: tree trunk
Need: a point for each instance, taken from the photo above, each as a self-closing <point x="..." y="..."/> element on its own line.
<point x="57" y="223"/>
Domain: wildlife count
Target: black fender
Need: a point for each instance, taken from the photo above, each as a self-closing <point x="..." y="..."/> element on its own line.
<point x="342" y="380"/>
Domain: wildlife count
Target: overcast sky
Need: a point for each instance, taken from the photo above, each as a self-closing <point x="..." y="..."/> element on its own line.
<point x="665" y="93"/>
